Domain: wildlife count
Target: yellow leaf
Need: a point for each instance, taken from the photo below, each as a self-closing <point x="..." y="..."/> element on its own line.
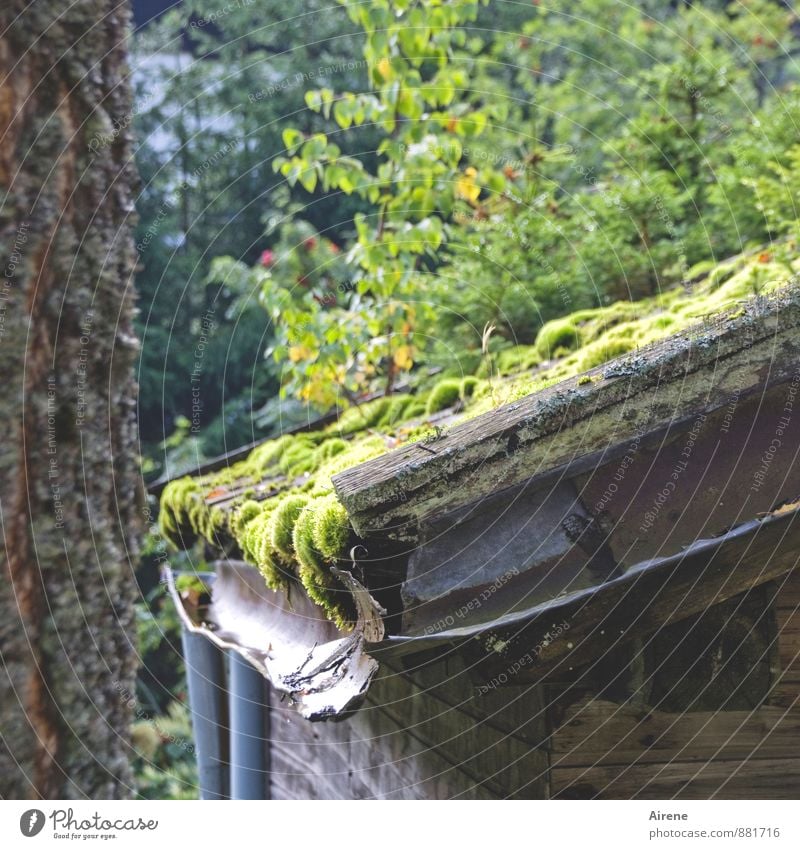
<point x="385" y="68"/>
<point x="403" y="357"/>
<point x="299" y="352"/>
<point x="466" y="188"/>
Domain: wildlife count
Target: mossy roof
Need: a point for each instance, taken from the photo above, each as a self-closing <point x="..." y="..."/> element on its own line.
<point x="278" y="509"/>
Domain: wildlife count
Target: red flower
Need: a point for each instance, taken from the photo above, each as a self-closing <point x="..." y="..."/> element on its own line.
<point x="334" y="247"/>
<point x="267" y="258"/>
<point x="310" y="243"/>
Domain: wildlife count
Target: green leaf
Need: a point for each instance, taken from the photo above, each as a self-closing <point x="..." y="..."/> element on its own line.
<point x="292" y="139"/>
<point x="313" y="100"/>
<point x="342" y="114"/>
<point x="308" y="179"/>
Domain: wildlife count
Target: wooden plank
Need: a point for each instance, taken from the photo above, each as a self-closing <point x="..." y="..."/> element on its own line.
<point x="596" y="733"/>
<point x="518" y="712"/>
<point x="499" y="762"/>
<point x="742" y="779"/>
<point x="551" y="429"/>
<point x="307" y="760"/>
<point x="785" y="691"/>
<point x="395" y="763"/>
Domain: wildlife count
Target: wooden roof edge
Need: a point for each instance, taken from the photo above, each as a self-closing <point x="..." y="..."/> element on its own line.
<point x="742" y="351"/>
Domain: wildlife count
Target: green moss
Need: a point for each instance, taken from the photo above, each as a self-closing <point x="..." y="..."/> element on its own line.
<point x="308" y="555"/>
<point x="258" y="548"/>
<point x="242" y="514"/>
<point x="174" y="521"/>
<point x="382" y="411"/>
<point x="297" y="457"/>
<point x="281" y="525"/>
<point x="416" y="408"/>
<point x="266" y="456"/>
<point x="330" y="448"/>
<point x="191" y="583"/>
<point x="468" y="387"/>
<point x="518" y="358"/>
<point x="604" y="350"/>
<point x="719" y="275"/>
<point x="395" y="411"/>
<point x="315" y="577"/>
<point x="560" y="333"/>
<point x="331" y="528"/>
<point x="359" y="451"/>
<point x="443" y="395"/>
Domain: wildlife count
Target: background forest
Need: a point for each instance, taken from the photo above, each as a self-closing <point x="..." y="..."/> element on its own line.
<point x="341" y="198"/>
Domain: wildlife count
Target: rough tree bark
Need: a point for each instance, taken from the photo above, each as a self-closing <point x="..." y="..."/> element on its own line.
<point x="69" y="512"/>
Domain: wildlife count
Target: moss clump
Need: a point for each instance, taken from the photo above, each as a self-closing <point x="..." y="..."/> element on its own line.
<point x="216" y="526"/>
<point x="308" y="555"/>
<point x="266" y="456"/>
<point x="257" y="547"/>
<point x="174" y="520"/>
<point x="298" y="457"/>
<point x="721" y="274"/>
<point x="519" y="358"/>
<point x="443" y="395"/>
<point x="358" y="451"/>
<point x="281" y="525"/>
<point x="468" y="387"/>
<point x="330" y="448"/>
<point x="559" y="333"/>
<point x="316" y="579"/>
<point x="604" y="350"/>
<point x="331" y="528"/>
<point x="395" y="411"/>
<point x="378" y="413"/>
<point x="416" y="408"/>
<point x="186" y="583"/>
<point x="242" y="514"/>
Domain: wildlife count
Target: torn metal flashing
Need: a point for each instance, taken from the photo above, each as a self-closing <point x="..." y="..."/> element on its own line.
<point x="325" y="671"/>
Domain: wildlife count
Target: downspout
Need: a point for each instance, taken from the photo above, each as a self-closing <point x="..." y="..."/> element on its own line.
<point x="249" y="740"/>
<point x="205" y="676"/>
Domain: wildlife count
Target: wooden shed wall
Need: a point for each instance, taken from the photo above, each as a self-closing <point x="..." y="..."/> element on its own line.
<point x="428" y="733"/>
<point x="421" y="735"/>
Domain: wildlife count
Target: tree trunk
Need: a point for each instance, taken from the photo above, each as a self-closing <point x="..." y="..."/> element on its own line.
<point x="69" y="512"/>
